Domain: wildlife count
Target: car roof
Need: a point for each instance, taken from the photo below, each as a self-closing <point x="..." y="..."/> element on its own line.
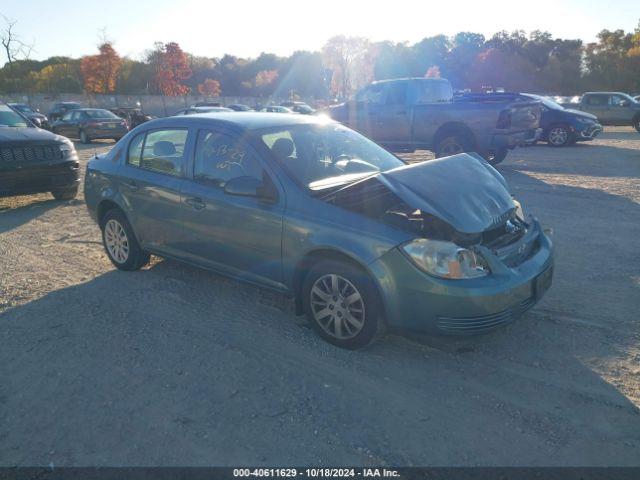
<point x="246" y="121"/>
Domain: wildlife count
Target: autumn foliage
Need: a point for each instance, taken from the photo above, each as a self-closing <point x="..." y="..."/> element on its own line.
<point x="100" y="72"/>
<point x="210" y="88"/>
<point x="172" y="68"/>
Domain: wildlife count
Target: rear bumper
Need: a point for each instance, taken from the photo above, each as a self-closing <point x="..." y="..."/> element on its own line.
<point x="417" y="301"/>
<point x="99" y="133"/>
<point x="501" y="141"/>
<point x="37" y="179"/>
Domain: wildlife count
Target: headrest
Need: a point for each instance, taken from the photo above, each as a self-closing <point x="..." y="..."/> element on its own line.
<point x="282" y="148"/>
<point x="164" y="149"/>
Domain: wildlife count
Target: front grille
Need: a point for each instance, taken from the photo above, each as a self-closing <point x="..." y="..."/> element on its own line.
<point x="484" y="323"/>
<point x="36" y="153"/>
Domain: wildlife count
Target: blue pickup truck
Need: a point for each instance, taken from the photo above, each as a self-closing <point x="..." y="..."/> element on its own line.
<point x="421" y="113"/>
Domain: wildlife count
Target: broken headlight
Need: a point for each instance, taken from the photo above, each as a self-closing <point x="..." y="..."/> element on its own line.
<point x="519" y="211"/>
<point x="445" y="259"/>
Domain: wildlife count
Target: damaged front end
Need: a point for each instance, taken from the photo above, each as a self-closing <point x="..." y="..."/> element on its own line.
<point x="485" y="262"/>
<point x="455" y="207"/>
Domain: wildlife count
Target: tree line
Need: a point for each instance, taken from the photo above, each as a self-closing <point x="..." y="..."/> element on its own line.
<point x="536" y="62"/>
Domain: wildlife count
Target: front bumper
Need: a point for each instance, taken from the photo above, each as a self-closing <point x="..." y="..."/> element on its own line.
<point x="39" y="178"/>
<point x="501" y="141"/>
<point x="415" y="300"/>
<point x="589" y="132"/>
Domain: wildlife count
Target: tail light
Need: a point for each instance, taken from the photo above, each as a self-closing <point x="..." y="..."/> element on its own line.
<point x="504" y="120"/>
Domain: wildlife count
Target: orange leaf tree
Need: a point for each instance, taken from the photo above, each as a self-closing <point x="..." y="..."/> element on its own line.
<point x="210" y="88"/>
<point x="171" y="70"/>
<point x="100" y="71"/>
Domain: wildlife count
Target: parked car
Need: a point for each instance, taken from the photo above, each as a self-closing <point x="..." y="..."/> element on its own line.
<point x="420" y="113"/>
<point x="193" y="110"/>
<point x="612" y="108"/>
<point x="311" y="208"/>
<point x="38" y="119"/>
<point x="563" y="126"/>
<point x="33" y="160"/>
<point x="207" y="104"/>
<point x="133" y="115"/>
<point x="239" y="107"/>
<point x="276" y="109"/>
<point x="58" y="110"/>
<point x="299" y="107"/>
<point x="90" y="124"/>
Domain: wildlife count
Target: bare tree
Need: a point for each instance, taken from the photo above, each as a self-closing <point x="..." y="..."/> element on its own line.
<point x="13" y="45"/>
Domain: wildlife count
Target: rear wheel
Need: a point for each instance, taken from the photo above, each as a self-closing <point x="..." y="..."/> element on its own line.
<point x="84" y="138"/>
<point x="120" y="243"/>
<point x="559" y="136"/>
<point x="65" y="193"/>
<point x="452" y="145"/>
<point x="342" y="304"/>
<point x="636" y="123"/>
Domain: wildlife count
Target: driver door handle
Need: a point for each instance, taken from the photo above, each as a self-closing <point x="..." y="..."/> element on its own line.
<point x="195" y="202"/>
<point x="132" y="185"/>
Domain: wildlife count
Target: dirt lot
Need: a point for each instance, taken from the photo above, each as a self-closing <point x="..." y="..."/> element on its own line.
<point x="177" y="366"/>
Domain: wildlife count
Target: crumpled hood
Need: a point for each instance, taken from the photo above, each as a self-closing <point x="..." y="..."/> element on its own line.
<point x="463" y="190"/>
<point x="580" y="113"/>
<point x="29" y="134"/>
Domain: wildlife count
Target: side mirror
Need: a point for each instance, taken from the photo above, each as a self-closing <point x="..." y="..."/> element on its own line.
<point x="247" y="186"/>
<point x="625" y="103"/>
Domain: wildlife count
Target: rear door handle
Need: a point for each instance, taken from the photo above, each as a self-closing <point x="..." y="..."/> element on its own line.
<point x="133" y="186"/>
<point x="195" y="202"/>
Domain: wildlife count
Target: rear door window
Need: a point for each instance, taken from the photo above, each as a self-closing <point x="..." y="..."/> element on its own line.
<point x="162" y="151"/>
<point x="597" y="100"/>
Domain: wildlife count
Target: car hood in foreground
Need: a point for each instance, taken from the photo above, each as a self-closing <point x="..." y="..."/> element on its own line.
<point x="28" y="134"/>
<point x="462" y="190"/>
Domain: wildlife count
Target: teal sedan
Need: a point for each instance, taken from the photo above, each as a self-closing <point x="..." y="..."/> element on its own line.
<point x="360" y="240"/>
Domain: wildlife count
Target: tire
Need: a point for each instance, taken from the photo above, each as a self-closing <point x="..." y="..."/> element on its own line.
<point x="636" y="123"/>
<point x="494" y="158"/>
<point x="452" y="145"/>
<point x="325" y="293"/>
<point x="120" y="243"/>
<point x="84" y="138"/>
<point x="65" y="194"/>
<point x="559" y="136"/>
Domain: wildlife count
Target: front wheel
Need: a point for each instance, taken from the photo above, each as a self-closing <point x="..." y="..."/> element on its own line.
<point x="636" y="123"/>
<point x="559" y="136"/>
<point x="342" y="304"/>
<point x="497" y="156"/>
<point x="120" y="243"/>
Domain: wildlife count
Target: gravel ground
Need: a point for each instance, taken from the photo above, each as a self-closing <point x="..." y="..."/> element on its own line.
<point x="177" y="366"/>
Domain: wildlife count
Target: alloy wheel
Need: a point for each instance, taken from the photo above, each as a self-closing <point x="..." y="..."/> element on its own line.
<point x="558" y="136"/>
<point x="337" y="306"/>
<point x="116" y="241"/>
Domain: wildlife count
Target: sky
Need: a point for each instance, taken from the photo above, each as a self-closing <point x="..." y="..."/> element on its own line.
<point x="246" y="28"/>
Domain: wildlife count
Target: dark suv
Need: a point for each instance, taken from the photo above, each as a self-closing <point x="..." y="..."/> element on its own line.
<point x="33" y="160"/>
<point x="38" y="119"/>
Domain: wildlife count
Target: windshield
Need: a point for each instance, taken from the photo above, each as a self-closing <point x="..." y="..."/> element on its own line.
<point x="322" y="156"/>
<point x="97" y="113"/>
<point x="9" y="118"/>
<point x="23" y="108"/>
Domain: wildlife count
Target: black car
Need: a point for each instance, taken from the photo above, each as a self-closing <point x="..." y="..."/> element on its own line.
<point x="38" y="119"/>
<point x="33" y="160"/>
<point x="91" y="123"/>
<point x="564" y="126"/>
<point x="60" y="109"/>
<point x="299" y="107"/>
